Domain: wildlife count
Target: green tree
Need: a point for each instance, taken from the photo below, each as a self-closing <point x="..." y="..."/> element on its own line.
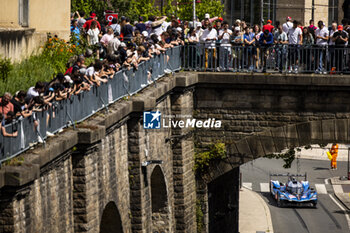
<point x="212" y="7"/>
<point x="144" y="8"/>
<point x="98" y="6"/>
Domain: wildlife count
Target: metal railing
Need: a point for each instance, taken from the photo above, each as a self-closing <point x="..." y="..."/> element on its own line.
<point x="272" y="58"/>
<point x="79" y="107"/>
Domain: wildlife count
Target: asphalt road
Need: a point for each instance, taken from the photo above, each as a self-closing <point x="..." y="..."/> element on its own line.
<point x="327" y="217"/>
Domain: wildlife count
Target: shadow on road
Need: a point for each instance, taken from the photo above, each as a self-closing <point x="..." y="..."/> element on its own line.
<point x="320" y="168"/>
<point x="271" y="201"/>
<point x="342" y="212"/>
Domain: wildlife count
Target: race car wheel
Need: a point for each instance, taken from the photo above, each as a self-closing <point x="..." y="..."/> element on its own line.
<point x="314" y="204"/>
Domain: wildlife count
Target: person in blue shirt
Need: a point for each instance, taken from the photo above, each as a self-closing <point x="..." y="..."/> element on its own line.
<point x="250" y="50"/>
<point x="265" y="41"/>
<point x="75" y="31"/>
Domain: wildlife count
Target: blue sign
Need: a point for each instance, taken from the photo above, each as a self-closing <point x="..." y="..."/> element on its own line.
<point x="151" y="120"/>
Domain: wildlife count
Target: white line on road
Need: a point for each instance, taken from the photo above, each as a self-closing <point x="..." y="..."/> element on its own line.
<point x="326" y="181"/>
<point x="321" y="188"/>
<point x="264" y="187"/>
<point x="247" y="185"/>
<point x="342" y="208"/>
<point x="337" y="188"/>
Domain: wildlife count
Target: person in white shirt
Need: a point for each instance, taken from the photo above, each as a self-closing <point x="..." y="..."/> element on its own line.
<point x="209" y="37"/>
<point x="287" y="25"/>
<point x="225" y="46"/>
<point x="295" y="40"/>
<point x="199" y="30"/>
<point x="113" y="46"/>
<point x="331" y="43"/>
<point x="322" y="35"/>
<point x="93" y="33"/>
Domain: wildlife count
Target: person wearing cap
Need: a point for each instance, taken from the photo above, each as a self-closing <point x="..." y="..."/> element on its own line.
<point x="87" y="24"/>
<point x="268" y="26"/>
<point x="209" y="38"/>
<point x="122" y="52"/>
<point x="208" y="19"/>
<point x="322" y="36"/>
<point x="199" y="30"/>
<point x="295" y="38"/>
<point x="287" y="25"/>
<point x="225" y="46"/>
<point x="340" y="38"/>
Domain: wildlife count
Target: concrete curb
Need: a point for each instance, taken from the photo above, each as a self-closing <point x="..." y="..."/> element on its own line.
<point x="266" y="208"/>
<point x="344" y="198"/>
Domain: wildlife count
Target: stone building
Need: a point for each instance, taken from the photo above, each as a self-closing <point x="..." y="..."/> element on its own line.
<point x="24" y="25"/>
<point x="277" y="10"/>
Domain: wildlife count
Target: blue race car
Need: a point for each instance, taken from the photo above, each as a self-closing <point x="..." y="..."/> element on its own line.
<point x="293" y="192"/>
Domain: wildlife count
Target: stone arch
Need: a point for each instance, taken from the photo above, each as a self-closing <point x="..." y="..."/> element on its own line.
<point x="159" y="201"/>
<point x="223" y="210"/>
<point x="280" y="138"/>
<point x="111" y="221"/>
<point x="159" y="194"/>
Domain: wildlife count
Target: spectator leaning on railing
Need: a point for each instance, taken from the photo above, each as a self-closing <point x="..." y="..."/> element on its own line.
<point x="5" y="104"/>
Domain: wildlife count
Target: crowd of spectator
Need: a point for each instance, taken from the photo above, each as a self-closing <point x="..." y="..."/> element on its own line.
<point x="301" y="45"/>
<point x="119" y="45"/>
<point x="114" y="45"/>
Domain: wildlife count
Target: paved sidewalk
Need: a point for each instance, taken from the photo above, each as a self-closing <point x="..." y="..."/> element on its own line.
<point x="254" y="214"/>
<point x="342" y="190"/>
<point x="315" y="152"/>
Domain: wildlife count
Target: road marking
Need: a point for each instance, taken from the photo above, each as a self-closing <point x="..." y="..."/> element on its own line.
<point x="247" y="185"/>
<point x="342" y="208"/>
<point x="264" y="187"/>
<point x="321" y="188"/>
<point x="337" y="188"/>
<point x="326" y="181"/>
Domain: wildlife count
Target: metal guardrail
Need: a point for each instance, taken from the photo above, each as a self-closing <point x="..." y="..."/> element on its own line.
<point x="79" y="107"/>
<point x="270" y="58"/>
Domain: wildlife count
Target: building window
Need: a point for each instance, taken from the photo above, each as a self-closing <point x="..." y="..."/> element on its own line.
<point x="332" y="11"/>
<point x="23" y="13"/>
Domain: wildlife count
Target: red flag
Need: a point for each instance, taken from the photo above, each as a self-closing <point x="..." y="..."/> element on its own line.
<point x="110" y="16"/>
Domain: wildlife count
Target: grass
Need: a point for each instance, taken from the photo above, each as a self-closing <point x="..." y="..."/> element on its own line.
<point x="16" y="161"/>
<point x="41" y="66"/>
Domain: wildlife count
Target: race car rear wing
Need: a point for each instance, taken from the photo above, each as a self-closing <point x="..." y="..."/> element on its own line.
<point x="289" y="175"/>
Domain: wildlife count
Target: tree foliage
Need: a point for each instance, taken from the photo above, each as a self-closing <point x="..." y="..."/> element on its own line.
<point x="129" y="8"/>
<point x="144" y="8"/>
<point x="212" y="7"/>
<point x="135" y="8"/>
<point x="212" y="153"/>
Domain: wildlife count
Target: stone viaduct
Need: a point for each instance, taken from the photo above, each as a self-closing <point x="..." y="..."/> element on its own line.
<point x="106" y="175"/>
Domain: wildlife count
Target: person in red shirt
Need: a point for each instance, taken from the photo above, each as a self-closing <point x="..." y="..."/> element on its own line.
<point x="87" y="24"/>
<point x="268" y="26"/>
<point x="5" y="104"/>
